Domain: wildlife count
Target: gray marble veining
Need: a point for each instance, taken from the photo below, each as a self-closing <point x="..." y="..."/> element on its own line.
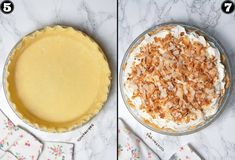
<point x="217" y="141"/>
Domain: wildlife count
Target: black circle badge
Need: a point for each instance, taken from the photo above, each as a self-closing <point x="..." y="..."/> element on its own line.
<point x="227" y="6"/>
<point x="7" y="7"/>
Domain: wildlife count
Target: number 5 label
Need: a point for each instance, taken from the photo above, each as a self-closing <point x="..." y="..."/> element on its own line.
<point x="7" y="7"/>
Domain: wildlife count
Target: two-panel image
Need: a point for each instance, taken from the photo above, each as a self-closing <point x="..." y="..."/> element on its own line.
<point x="117" y="80"/>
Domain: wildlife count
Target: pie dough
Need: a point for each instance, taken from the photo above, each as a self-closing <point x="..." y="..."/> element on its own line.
<point x="57" y="78"/>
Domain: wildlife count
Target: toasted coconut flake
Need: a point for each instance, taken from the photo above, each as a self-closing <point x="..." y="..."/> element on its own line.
<point x="174" y="77"/>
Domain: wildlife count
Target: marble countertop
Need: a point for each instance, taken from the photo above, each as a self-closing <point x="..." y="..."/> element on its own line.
<point x="217" y="141"/>
<point x="97" y="19"/>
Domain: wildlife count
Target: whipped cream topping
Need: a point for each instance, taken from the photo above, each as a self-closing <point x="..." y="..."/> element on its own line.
<point x="161" y="122"/>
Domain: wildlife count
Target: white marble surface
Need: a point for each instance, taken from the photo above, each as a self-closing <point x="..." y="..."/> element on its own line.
<point x="98" y="19"/>
<point x="217" y="141"/>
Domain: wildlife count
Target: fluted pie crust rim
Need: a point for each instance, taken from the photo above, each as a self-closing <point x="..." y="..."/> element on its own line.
<point x="41" y="124"/>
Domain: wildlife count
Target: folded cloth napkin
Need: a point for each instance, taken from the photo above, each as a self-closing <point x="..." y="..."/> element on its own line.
<point x="26" y="146"/>
<point x="57" y="151"/>
<point x="5" y="155"/>
<point x="8" y="156"/>
<point x="7" y="129"/>
<point x="185" y="153"/>
<point x="1" y="153"/>
<point x="17" y="141"/>
<point x="132" y="147"/>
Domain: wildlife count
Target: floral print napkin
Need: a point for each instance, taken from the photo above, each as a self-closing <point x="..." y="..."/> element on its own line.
<point x="1" y="153"/>
<point x="17" y="141"/>
<point x="131" y="147"/>
<point x="7" y="129"/>
<point x="18" y="144"/>
<point x="57" y="151"/>
<point x="5" y="155"/>
<point x="26" y="147"/>
<point x="8" y="156"/>
<point x="185" y="153"/>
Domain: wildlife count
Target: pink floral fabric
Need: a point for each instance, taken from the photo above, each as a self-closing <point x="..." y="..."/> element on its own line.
<point x="131" y="147"/>
<point x="7" y="129"/>
<point x="8" y="156"/>
<point x="57" y="151"/>
<point x="1" y="153"/>
<point x="26" y="147"/>
<point x="18" y="144"/>
<point x="185" y="153"/>
<point x="17" y="141"/>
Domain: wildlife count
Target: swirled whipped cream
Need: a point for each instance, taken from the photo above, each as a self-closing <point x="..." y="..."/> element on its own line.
<point x="174" y="79"/>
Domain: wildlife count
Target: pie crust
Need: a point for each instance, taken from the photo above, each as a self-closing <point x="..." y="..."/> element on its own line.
<point x="57" y="78"/>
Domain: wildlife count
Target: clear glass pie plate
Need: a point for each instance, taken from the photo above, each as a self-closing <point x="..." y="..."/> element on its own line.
<point x="59" y="63"/>
<point x="223" y="99"/>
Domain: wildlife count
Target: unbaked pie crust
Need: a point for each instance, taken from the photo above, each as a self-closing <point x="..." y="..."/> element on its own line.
<point x="57" y="78"/>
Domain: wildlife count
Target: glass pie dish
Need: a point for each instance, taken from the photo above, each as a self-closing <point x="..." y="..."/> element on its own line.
<point x="222" y="100"/>
<point x="56" y="79"/>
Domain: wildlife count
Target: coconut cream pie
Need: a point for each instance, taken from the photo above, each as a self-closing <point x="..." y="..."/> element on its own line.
<point x="174" y="79"/>
<point x="57" y="78"/>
